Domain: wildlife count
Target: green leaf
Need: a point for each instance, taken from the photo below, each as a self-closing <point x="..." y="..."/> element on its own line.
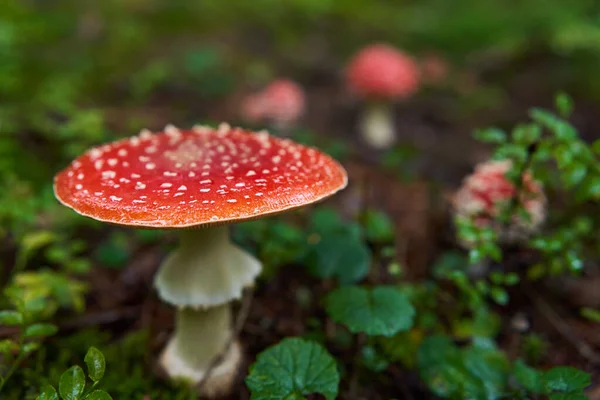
<point x="379" y="311"/>
<point x="591" y="314"/>
<point x="71" y="383"/>
<point x="48" y="393"/>
<point x="8" y="346"/>
<point x="96" y="364"/>
<point x="37" y="330"/>
<point x="563" y="104"/>
<point x="491" y="135"/>
<point x="339" y="256"/>
<point x="30" y="347"/>
<point x="11" y="318"/>
<point x="378" y="227"/>
<point x="98" y="395"/>
<point x="528" y="377"/>
<point x="292" y="369"/>
<point x="566" y="379"/>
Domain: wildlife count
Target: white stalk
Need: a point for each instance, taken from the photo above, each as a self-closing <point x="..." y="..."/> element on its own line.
<point x="377" y="125"/>
<point x="201" y="278"/>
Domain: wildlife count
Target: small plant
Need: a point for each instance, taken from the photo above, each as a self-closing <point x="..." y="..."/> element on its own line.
<point x="72" y="383"/>
<point x="29" y="334"/>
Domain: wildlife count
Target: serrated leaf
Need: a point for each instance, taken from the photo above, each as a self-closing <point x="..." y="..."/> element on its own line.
<point x="292" y="369"/>
<point x="379" y="311"/>
<point x="566" y="379"/>
<point x="98" y="395"/>
<point x="11" y="318"/>
<point x="340" y="256"/>
<point x="528" y="377"/>
<point x="96" y="364"/>
<point x="71" y="383"/>
<point x="37" y="330"/>
<point x="48" y="393"/>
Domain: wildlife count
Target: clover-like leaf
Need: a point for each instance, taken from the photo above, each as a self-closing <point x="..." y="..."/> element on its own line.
<point x="98" y="395"/>
<point x="342" y="256"/>
<point x="96" y="364"/>
<point x="71" y="383"/>
<point x="48" y="393"/>
<point x="566" y="379"/>
<point x="292" y="369"/>
<point x="40" y="330"/>
<point x="379" y="311"/>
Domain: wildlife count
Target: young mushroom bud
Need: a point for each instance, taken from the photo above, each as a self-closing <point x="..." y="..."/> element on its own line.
<point x="281" y="104"/>
<point x="381" y="74"/>
<point x="196" y="183"/>
<point x="488" y="192"/>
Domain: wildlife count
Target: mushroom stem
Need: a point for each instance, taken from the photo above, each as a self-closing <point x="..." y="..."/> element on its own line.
<point x="206" y="270"/>
<point x="201" y="278"/>
<point x="377" y="125"/>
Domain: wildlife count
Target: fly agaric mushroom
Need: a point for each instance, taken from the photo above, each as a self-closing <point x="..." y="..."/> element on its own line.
<point x="280" y="103"/>
<point x="197" y="182"/>
<point x="484" y="193"/>
<point x="380" y="74"/>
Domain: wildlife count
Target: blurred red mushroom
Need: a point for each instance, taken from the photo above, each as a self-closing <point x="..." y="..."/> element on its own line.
<point x="380" y="74"/>
<point x="281" y="104"/>
<point x="484" y="193"/>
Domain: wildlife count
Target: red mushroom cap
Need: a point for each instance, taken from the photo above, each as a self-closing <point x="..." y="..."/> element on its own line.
<point x="178" y="179"/>
<point x="381" y="71"/>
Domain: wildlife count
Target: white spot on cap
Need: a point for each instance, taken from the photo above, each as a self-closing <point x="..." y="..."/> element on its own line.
<point x="251" y="173"/>
<point x="182" y="187"/>
<point x="122" y="152"/>
<point x="231" y="200"/>
<point x="112" y="162"/>
<point x="140" y="186"/>
<point x="241" y="184"/>
<point x="115" y="198"/>
<point x="166" y="185"/>
<point x="108" y="174"/>
<point x="150" y="166"/>
<point x="79" y="186"/>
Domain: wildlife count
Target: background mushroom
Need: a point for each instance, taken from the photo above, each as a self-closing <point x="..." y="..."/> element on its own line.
<point x="380" y="74"/>
<point x="483" y="194"/>
<point x="281" y="104"/>
<point x="197" y="182"/>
